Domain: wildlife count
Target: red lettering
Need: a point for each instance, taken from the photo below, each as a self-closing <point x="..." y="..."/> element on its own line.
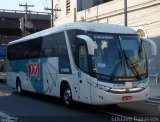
<point x="29" y="69"/>
<point x="34" y="69"/>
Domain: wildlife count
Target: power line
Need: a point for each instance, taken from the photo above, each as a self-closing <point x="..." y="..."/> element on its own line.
<point x="44" y="3"/>
<point x="52" y="13"/>
<point x="26" y="9"/>
<point x="25" y="20"/>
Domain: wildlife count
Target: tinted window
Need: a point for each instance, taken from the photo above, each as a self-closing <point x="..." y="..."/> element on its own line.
<point x="82" y="57"/>
<point x="60" y="45"/>
<point x="34" y="47"/>
<point x="55" y="46"/>
<point x="72" y="39"/>
<point x="25" y="50"/>
<point x="49" y="46"/>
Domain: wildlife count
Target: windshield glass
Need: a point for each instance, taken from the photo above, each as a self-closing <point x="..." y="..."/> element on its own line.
<point x="134" y="55"/>
<point x="118" y="56"/>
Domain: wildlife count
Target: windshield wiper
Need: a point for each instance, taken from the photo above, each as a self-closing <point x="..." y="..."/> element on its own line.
<point x="115" y="69"/>
<point x="131" y="66"/>
<point x="122" y="62"/>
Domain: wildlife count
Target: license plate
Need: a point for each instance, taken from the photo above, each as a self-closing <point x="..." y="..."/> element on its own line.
<point x="126" y="98"/>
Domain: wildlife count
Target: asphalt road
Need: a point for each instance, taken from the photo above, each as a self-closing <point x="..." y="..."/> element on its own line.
<point x="32" y="107"/>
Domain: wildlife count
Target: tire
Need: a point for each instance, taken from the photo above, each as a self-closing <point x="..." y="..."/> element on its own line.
<point x="19" y="87"/>
<point x="67" y="96"/>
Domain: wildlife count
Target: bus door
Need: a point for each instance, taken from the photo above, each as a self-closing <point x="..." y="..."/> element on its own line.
<point x="83" y="77"/>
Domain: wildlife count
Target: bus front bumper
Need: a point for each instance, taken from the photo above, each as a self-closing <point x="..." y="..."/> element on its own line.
<point x="101" y="97"/>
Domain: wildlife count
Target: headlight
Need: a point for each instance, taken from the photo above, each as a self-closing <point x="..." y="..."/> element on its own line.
<point x="101" y="87"/>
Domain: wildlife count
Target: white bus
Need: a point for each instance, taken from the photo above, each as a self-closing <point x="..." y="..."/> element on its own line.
<point x="91" y="63"/>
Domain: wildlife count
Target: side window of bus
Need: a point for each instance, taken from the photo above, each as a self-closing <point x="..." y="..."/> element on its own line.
<point x="25" y="50"/>
<point x="72" y="39"/>
<point x="83" y="58"/>
<point x="54" y="45"/>
<point x="47" y="46"/>
<point x="60" y="45"/>
<point x="10" y="50"/>
<point x="34" y="47"/>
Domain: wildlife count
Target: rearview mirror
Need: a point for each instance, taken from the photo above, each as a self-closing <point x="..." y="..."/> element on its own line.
<point x="89" y="42"/>
<point x="153" y="45"/>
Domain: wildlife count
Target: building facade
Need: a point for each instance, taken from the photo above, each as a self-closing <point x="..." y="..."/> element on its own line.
<point x="143" y="16"/>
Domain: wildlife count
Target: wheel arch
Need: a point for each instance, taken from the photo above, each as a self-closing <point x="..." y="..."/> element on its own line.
<point x="63" y="84"/>
<point x="18" y="79"/>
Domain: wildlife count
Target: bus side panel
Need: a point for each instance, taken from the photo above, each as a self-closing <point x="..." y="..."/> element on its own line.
<point x="9" y="75"/>
<point x="14" y="70"/>
<point x="25" y="70"/>
<point x="50" y="76"/>
<point x="40" y="75"/>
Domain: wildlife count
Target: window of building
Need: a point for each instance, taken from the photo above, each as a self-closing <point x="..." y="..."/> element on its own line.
<point x="67" y="7"/>
<point x="86" y="4"/>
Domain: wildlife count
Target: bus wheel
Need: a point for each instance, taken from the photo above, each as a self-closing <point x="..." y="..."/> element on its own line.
<point x="67" y="96"/>
<point x="19" y="87"/>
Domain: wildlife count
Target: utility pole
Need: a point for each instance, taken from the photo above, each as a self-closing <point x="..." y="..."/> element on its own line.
<point x="125" y="13"/>
<point x="26" y="10"/>
<point x="52" y="13"/>
<point x="26" y="18"/>
<point x="75" y="15"/>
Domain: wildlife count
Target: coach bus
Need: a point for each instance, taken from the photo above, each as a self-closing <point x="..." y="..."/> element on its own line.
<point x="91" y="63"/>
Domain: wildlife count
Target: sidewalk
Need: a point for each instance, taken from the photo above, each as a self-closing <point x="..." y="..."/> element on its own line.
<point x="155" y="90"/>
<point x="154" y="95"/>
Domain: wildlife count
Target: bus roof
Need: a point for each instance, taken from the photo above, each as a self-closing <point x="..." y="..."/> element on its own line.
<point x="86" y="26"/>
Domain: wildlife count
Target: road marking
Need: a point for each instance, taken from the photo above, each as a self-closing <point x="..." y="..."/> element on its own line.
<point x="122" y="116"/>
<point x="7" y="118"/>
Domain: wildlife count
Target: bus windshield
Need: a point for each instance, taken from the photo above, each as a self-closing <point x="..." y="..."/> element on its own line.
<point x="118" y="56"/>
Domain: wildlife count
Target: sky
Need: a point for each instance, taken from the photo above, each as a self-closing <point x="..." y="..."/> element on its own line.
<point x="39" y="5"/>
